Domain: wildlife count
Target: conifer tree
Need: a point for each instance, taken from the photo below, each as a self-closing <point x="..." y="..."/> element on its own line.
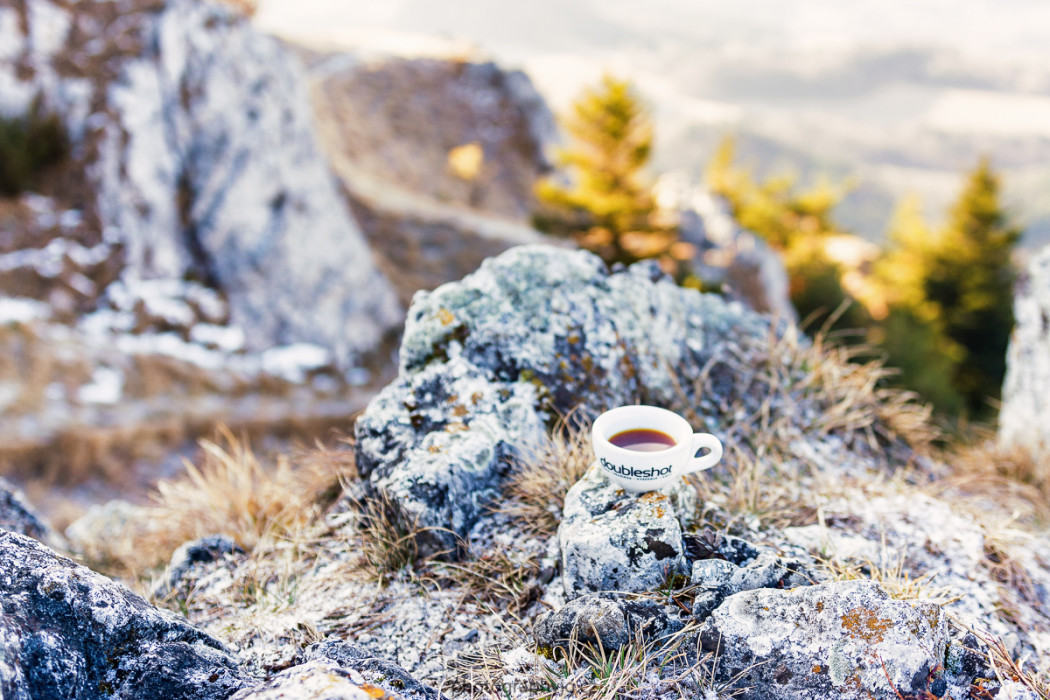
<point x="606" y="200"/>
<point x="970" y="279"/>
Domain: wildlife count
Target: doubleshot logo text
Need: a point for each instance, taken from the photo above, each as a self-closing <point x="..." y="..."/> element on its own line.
<point x="633" y="472"/>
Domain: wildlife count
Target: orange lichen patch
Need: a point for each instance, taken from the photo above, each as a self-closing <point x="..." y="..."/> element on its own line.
<point x="445" y="316"/>
<point x="373" y="691"/>
<point x="457" y="427"/>
<point x="452" y="399"/>
<point x="475" y="397"/>
<point x="652" y="497"/>
<point x="864" y="624"/>
<point x="820" y="606"/>
<point x="817" y="668"/>
<point x="433" y="449"/>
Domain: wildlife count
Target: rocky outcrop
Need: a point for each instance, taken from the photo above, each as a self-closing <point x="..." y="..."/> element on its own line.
<point x="449" y="130"/>
<point x="69" y="632"/>
<point x="438" y="157"/>
<point x="1023" y="418"/>
<point x="614" y="540"/>
<point x="537" y="331"/>
<point x="847" y="639"/>
<point x="195" y="137"/>
<point x="193" y="260"/>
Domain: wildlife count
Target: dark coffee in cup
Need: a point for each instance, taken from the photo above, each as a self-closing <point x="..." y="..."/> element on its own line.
<point x="642" y="440"/>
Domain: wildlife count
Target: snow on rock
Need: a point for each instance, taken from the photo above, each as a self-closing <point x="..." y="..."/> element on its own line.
<point x="1024" y="418"/>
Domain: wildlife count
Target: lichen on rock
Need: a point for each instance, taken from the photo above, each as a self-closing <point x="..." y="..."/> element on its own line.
<point x="615" y="540"/>
<point x="845" y="639"/>
<point x="488" y="362"/>
<point x="67" y="631"/>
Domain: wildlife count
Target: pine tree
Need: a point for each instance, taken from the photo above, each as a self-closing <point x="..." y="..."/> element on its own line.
<point x="970" y="279"/>
<point x="911" y="332"/>
<point x="607" y="204"/>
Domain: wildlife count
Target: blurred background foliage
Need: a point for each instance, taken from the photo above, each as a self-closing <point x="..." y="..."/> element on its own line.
<point x="936" y="302"/>
<point x="29" y="145"/>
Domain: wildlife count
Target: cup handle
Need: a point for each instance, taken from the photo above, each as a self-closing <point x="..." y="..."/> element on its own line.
<point x="700" y="441"/>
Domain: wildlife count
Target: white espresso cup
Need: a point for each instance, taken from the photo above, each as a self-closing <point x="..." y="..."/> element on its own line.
<point x="643" y="448"/>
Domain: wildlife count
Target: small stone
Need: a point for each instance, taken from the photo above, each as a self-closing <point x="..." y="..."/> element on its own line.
<point x="616" y="540"/>
<point x="610" y="620"/>
<point x="202" y="551"/>
<point x="376" y="672"/>
<point x="710" y="581"/>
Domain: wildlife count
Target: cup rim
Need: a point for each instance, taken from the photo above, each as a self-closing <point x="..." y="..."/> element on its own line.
<point x="683" y="430"/>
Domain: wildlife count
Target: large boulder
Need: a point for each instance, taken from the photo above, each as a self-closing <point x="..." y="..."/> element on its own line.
<point x="194" y="146"/>
<point x="69" y="632"/>
<point x="1023" y="418"/>
<point x="846" y="639"/>
<point x="488" y="361"/>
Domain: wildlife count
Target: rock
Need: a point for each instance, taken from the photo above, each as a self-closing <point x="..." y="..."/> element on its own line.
<point x="608" y="619"/>
<point x="1024" y="419"/>
<point x="67" y="631"/>
<point x="486" y="362"/>
<point x="202" y="551"/>
<point x="16" y="515"/>
<point x="726" y="254"/>
<point x="468" y="430"/>
<point x="715" y="579"/>
<point x="615" y="540"/>
<point x="401" y="120"/>
<point x="109" y="529"/>
<point x="314" y="680"/>
<point x="337" y="670"/>
<point x="846" y="639"/>
<point x="378" y="672"/>
<point x="192" y="138"/>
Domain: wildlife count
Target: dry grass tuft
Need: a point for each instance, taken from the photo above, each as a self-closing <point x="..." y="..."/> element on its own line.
<point x="891" y="572"/>
<point x="385" y="543"/>
<point x="535" y="492"/>
<point x="658" y="667"/>
<point x="1019" y="477"/>
<point x="233" y="492"/>
<point x="1008" y="668"/>
<point x="783" y="387"/>
<point x="778" y="394"/>
<point x="494" y="577"/>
